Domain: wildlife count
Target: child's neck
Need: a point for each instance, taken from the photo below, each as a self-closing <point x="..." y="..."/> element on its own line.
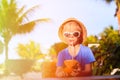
<point x="73" y="50"/>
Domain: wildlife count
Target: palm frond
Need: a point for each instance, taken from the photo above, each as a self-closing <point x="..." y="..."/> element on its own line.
<point x="42" y="20"/>
<point x="20" y="18"/>
<point x="32" y="9"/>
<point x="21" y="10"/>
<point x="28" y="12"/>
<point x="28" y="27"/>
<point x="109" y="1"/>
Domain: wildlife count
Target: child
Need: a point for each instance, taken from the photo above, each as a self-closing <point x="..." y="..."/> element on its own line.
<point x="73" y="33"/>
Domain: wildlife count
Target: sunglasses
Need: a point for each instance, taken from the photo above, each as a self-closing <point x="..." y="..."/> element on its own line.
<point x="68" y="34"/>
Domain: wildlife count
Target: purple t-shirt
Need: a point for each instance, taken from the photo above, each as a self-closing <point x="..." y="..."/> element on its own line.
<point x="84" y="56"/>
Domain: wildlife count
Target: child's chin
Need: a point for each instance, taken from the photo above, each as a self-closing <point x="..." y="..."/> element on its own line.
<point x="71" y="43"/>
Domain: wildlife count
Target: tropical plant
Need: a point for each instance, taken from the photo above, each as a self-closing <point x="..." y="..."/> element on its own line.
<point x="15" y="21"/>
<point x="92" y="39"/>
<point x="29" y="51"/>
<point x="117" y="12"/>
<point x="1" y="47"/>
<point x="106" y="54"/>
<point x="56" y="48"/>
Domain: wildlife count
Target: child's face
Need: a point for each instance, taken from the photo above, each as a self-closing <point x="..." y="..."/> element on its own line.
<point x="71" y="33"/>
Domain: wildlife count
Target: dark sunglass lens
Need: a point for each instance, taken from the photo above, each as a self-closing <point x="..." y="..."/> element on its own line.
<point x="76" y="34"/>
<point x="66" y="34"/>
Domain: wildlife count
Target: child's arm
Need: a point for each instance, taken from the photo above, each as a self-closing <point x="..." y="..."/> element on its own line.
<point x="60" y="72"/>
<point x="86" y="72"/>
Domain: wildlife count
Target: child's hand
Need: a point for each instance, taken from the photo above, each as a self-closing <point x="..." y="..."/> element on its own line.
<point x="75" y="72"/>
<point x="61" y="74"/>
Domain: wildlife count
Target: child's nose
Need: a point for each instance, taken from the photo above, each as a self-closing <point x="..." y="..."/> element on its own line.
<point x="71" y="36"/>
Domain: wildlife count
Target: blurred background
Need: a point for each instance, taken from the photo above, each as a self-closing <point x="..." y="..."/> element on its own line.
<point x="28" y="31"/>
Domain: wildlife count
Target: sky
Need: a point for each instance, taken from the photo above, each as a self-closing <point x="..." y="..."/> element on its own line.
<point x="95" y="15"/>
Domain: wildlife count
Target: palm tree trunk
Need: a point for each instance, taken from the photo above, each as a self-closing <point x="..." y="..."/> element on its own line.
<point x="118" y="17"/>
<point x="6" y="51"/>
<point x="118" y="14"/>
<point x="6" y="58"/>
<point x="6" y="41"/>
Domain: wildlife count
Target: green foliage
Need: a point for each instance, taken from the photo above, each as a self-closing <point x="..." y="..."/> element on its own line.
<point x="108" y="1"/>
<point x="29" y="51"/>
<point x="57" y="47"/>
<point x="1" y="47"/>
<point x="15" y="21"/>
<point x="107" y="53"/>
<point x="92" y="39"/>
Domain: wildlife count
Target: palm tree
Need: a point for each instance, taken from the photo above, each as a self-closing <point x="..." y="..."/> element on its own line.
<point x="117" y="13"/>
<point x="15" y="21"/>
<point x="1" y="47"/>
